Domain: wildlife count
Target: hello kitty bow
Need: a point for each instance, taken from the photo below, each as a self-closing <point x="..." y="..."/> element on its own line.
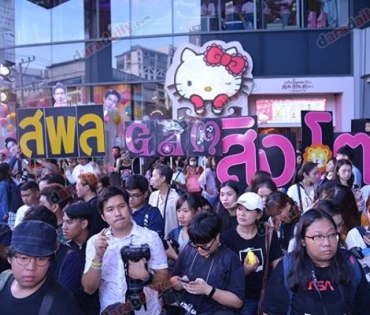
<point x="235" y="64"/>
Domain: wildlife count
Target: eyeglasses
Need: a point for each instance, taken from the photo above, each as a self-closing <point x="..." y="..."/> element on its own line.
<point x="320" y="239"/>
<point x="25" y="260"/>
<point x="135" y="196"/>
<point x="205" y="248"/>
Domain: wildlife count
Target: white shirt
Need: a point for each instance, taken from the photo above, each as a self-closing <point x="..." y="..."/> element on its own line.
<point x="354" y="239"/>
<point x="79" y="169"/>
<point x="307" y="199"/>
<point x="178" y="176"/>
<point x="170" y="220"/>
<point x="20" y="214"/>
<point x="113" y="285"/>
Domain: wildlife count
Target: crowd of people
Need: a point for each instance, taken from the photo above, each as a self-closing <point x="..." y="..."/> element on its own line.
<point x="174" y="240"/>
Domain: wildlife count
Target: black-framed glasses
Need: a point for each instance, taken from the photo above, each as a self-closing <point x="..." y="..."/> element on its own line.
<point x="205" y="248"/>
<point x="25" y="260"/>
<point x="320" y="239"/>
<point x="135" y="196"/>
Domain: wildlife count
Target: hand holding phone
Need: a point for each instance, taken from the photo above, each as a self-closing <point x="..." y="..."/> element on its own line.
<point x="184" y="280"/>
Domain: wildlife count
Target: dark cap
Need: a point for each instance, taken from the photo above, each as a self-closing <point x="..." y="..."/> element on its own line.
<point x="34" y="238"/>
<point x="5" y="234"/>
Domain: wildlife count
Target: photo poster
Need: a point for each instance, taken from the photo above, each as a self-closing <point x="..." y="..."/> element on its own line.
<point x="205" y="137"/>
<point x="277" y="154"/>
<point x="360" y="125"/>
<point x="59" y="132"/>
<point x="239" y="159"/>
<point x="360" y="142"/>
<point x="317" y="137"/>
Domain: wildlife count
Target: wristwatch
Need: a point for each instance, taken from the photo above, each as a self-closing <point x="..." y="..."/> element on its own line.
<point x="148" y="280"/>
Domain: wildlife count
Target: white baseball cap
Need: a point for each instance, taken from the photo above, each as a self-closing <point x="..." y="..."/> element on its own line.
<point x="249" y="200"/>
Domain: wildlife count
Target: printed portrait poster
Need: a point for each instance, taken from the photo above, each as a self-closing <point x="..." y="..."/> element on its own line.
<point x="204" y="137"/>
<point x="172" y="137"/>
<point x="360" y="125"/>
<point x="141" y="138"/>
<point x="360" y="142"/>
<point x="31" y="132"/>
<point x="277" y="156"/>
<point x="239" y="150"/>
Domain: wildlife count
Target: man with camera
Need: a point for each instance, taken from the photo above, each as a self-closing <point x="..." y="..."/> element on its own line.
<point x="125" y="261"/>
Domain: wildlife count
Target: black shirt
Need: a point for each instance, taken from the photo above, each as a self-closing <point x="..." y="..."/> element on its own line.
<point x="308" y="301"/>
<point x="63" y="302"/>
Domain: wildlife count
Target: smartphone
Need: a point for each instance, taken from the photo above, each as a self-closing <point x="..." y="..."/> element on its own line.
<point x="184" y="280"/>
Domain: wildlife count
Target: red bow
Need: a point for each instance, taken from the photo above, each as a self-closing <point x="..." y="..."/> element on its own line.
<point x="216" y="56"/>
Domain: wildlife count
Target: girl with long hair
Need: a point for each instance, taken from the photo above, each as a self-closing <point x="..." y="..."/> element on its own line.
<point x="317" y="277"/>
<point x="304" y="191"/>
<point x="229" y="193"/>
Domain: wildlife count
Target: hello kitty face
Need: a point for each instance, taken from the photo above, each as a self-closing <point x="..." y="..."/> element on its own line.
<point x="212" y="80"/>
<point x="195" y="76"/>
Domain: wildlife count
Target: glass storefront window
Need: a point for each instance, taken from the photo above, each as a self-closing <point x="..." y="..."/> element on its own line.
<point x="153" y="17"/>
<point x="44" y="21"/>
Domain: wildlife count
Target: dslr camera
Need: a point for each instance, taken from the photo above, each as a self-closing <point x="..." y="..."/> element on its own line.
<point x="175" y="244"/>
<point x="189" y="308"/>
<point x="135" y="288"/>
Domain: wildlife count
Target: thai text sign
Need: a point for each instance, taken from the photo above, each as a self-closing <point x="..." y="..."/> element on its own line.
<point x="56" y="132"/>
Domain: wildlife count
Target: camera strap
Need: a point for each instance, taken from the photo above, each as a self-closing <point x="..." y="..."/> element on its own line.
<point x="316" y="285"/>
<point x="165" y="204"/>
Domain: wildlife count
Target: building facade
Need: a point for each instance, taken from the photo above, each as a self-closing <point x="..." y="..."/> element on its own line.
<point x="306" y="53"/>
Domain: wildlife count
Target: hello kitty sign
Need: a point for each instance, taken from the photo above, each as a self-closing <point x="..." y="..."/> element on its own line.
<point x="210" y="81"/>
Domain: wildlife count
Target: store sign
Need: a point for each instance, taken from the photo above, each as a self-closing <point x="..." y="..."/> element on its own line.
<point x="57" y="132"/>
<point x="297" y="86"/>
<point x="210" y="81"/>
<point x="240" y="150"/>
<point x="283" y="111"/>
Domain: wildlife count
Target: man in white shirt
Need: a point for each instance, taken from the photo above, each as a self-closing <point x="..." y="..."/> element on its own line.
<point x="165" y="197"/>
<point x="85" y="165"/>
<point x="30" y="194"/>
<point x="104" y="268"/>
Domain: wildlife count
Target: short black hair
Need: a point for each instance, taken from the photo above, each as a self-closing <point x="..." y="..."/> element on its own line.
<point x="347" y="150"/>
<point x="59" y="86"/>
<point x="104" y="180"/>
<point x="41" y="213"/>
<point x="109" y="193"/>
<point x="166" y="171"/>
<point x="30" y="185"/>
<point x="79" y="210"/>
<point x="137" y="181"/>
<point x="54" y="179"/>
<point x="204" y="227"/>
<point x="10" y="139"/>
<point x="57" y="194"/>
<point x="114" y="92"/>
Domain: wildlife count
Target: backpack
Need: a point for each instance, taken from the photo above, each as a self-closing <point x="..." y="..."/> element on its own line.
<point x="347" y="295"/>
